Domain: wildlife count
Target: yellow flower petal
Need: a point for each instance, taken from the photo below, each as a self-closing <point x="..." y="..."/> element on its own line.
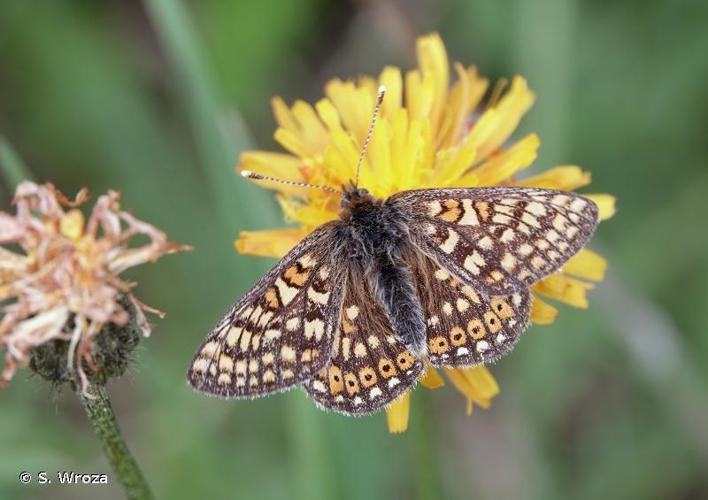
<point x="354" y="105"/>
<point x="511" y="108"/>
<point x="397" y="414"/>
<point x="311" y="128"/>
<point x="606" y="204"/>
<point x="300" y="132"/>
<point x="310" y="214"/>
<point x="432" y="379"/>
<point x="464" y="97"/>
<point x="477" y="384"/>
<point x="586" y="264"/>
<point x="293" y="142"/>
<point x="564" y="178"/>
<point x="565" y="289"/>
<point x="420" y="95"/>
<point x="454" y="162"/>
<point x="482" y="380"/>
<point x="272" y="243"/>
<point x="392" y="79"/>
<point x="282" y="114"/>
<point x="434" y="66"/>
<point x="542" y="313"/>
<point x="503" y="165"/>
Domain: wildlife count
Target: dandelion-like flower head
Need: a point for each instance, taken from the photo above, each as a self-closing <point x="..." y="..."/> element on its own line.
<point x="430" y="134"/>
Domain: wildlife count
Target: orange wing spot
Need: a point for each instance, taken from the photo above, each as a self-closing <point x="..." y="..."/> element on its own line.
<point x="367" y="375"/>
<point x="386" y="368"/>
<point x="493" y="322"/>
<point x="308" y="355"/>
<point x="476" y="329"/>
<point x="450" y="204"/>
<point x="347" y="327"/>
<point x="294" y="277"/>
<point x="405" y="360"/>
<point x="482" y="208"/>
<point x="271" y="297"/>
<point x="351" y="384"/>
<point x="451" y="215"/>
<point x="502" y="308"/>
<point x="336" y="383"/>
<point x="438" y="345"/>
<point x="453" y="282"/>
<point x="452" y="212"/>
<point x="457" y="336"/>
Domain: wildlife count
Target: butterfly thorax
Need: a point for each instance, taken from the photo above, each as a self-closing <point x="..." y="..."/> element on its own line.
<point x="375" y="229"/>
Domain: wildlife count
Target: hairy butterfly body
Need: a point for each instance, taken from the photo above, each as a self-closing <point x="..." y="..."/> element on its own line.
<point x="356" y="309"/>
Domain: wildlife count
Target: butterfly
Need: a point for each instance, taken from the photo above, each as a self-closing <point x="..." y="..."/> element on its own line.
<point x="355" y="311"/>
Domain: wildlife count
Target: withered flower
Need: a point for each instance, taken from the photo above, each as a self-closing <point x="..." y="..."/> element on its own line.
<point x="60" y="288"/>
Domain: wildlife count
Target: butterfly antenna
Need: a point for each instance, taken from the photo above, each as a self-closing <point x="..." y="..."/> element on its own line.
<point x="252" y="175"/>
<point x="377" y="107"/>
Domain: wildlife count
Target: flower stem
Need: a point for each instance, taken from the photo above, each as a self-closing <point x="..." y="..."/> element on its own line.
<point x="11" y="165"/>
<point x="99" y="411"/>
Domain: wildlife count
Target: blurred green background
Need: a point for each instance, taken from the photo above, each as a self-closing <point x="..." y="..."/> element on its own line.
<point x="156" y="99"/>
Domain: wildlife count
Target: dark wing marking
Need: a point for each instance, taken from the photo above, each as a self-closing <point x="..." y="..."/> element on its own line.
<point x="370" y="366"/>
<point x="498" y="239"/>
<point x="281" y="332"/>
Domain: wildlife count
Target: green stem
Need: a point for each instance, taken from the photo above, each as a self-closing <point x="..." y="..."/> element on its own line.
<point x="12" y="166"/>
<point x="427" y="477"/>
<point x="100" y="413"/>
<point x="177" y="36"/>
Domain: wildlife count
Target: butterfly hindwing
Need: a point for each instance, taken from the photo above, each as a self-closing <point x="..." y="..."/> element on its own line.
<point x="281" y="332"/>
<point x="466" y="327"/>
<point x="370" y="366"/>
<point x="500" y="239"/>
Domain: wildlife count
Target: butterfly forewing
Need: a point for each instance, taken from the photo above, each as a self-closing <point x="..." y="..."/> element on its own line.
<point x="370" y="366"/>
<point x="498" y="239"/>
<point x="281" y="332"/>
<point x="466" y="327"/>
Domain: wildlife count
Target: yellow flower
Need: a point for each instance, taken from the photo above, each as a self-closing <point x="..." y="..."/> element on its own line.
<point x="430" y="134"/>
<point x="59" y="275"/>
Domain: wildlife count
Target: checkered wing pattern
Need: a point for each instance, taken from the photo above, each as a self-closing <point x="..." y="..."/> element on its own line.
<point x="370" y="366"/>
<point x="466" y="327"/>
<point x="281" y="332"/>
<point x="498" y="239"/>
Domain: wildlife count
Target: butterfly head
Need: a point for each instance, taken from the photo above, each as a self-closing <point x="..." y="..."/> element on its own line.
<point x="354" y="197"/>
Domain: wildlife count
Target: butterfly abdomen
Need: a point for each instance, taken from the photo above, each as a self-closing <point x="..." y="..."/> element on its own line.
<point x="393" y="283"/>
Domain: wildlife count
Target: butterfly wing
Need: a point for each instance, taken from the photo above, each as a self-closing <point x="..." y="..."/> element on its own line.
<point x="370" y="366"/>
<point x="281" y="331"/>
<point x="465" y="327"/>
<point x="498" y="239"/>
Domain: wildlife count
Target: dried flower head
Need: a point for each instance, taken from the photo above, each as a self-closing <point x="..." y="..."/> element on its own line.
<point x="429" y="134"/>
<point x="59" y="276"/>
